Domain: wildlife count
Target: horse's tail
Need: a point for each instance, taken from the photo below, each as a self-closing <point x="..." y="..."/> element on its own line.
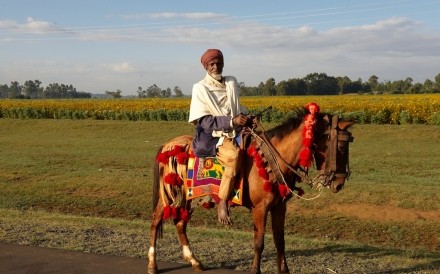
<point x="156" y="189"/>
<point x="156" y="179"/>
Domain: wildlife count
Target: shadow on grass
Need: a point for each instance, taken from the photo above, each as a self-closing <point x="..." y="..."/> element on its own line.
<point x="365" y="256"/>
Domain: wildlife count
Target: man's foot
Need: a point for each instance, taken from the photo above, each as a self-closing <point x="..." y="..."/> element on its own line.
<point x="223" y="214"/>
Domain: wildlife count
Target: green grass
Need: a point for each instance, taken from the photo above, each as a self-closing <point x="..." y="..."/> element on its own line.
<point x="103" y="169"/>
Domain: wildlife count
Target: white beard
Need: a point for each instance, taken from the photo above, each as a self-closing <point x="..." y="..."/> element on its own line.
<point x="217" y="77"/>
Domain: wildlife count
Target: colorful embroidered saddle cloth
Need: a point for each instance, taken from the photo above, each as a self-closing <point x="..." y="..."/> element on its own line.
<point x="204" y="177"/>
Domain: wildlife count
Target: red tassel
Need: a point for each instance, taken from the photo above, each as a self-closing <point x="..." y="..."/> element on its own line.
<point x="182" y="158"/>
<point x="162" y="158"/>
<point x="173" y="179"/>
<point x="267" y="186"/>
<point x="166" y="212"/>
<point x="283" y="190"/>
<point x="305" y="157"/>
<point x="252" y="151"/>
<point x="307" y="142"/>
<point x="313" y="108"/>
<point x="262" y="173"/>
<point x="176" y="150"/>
<point x="258" y="160"/>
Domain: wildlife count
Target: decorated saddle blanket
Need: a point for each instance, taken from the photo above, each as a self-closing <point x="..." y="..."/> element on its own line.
<point x="204" y="177"/>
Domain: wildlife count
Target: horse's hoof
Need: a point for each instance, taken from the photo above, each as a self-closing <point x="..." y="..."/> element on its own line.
<point x="153" y="270"/>
<point x="198" y="267"/>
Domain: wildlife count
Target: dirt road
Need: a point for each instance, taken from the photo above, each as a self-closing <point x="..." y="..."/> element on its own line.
<point x="18" y="259"/>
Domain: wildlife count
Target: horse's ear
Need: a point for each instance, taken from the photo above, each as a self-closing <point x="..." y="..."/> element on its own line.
<point x="326" y="118"/>
<point x="343" y="125"/>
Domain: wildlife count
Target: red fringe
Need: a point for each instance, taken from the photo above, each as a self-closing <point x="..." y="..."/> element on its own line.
<point x="177" y="213"/>
<point x="177" y="151"/>
<point x="173" y="179"/>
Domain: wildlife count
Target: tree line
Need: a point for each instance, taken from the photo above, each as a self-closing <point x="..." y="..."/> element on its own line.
<point x="33" y="89"/>
<point x="312" y="84"/>
<point x="322" y="84"/>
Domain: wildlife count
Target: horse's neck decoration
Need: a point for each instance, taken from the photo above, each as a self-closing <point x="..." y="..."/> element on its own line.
<point x="306" y="155"/>
<point x="278" y="159"/>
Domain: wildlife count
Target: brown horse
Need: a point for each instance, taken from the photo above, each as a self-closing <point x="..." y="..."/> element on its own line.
<point x="284" y="151"/>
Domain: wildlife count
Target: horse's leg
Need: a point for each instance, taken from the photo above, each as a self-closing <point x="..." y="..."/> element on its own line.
<point x="260" y="218"/>
<point x="278" y="215"/>
<point x="156" y="228"/>
<point x="188" y="255"/>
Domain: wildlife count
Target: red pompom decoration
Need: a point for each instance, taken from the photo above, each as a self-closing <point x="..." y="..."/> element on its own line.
<point x="173" y="179"/>
<point x="268" y="186"/>
<point x="262" y="173"/>
<point x="166" y="212"/>
<point x="182" y="158"/>
<point x="252" y="151"/>
<point x="163" y="158"/>
<point x="283" y="190"/>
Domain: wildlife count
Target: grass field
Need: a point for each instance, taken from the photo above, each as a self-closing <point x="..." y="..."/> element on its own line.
<point x="88" y="182"/>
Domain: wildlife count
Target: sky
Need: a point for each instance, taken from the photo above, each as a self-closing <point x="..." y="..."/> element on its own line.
<point x="100" y="46"/>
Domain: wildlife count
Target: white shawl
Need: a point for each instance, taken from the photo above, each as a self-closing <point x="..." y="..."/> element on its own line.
<point x="205" y="102"/>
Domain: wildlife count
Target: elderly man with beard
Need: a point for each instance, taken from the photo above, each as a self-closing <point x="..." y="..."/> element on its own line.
<point x="218" y="115"/>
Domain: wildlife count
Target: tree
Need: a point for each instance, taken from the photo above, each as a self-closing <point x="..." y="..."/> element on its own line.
<point x="141" y="93"/>
<point x="177" y="91"/>
<point x="114" y="94"/>
<point x="4" y="91"/>
<point x="297" y="87"/>
<point x="282" y="87"/>
<point x="269" y="87"/>
<point x="373" y="81"/>
<point x="31" y="89"/>
<point x="321" y="84"/>
<point x="14" y="90"/>
<point x="153" y="91"/>
<point x="165" y="93"/>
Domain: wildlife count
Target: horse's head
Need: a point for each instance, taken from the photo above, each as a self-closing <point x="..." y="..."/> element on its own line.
<point x="331" y="151"/>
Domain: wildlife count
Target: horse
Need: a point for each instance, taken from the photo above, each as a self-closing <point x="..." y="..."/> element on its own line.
<point x="274" y="161"/>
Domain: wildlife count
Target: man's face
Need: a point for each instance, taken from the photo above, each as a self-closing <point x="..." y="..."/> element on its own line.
<point x="215" y="67"/>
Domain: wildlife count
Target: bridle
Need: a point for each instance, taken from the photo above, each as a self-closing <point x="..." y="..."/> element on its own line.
<point x="335" y="137"/>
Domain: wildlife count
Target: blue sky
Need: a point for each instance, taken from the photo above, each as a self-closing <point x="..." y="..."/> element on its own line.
<point x="108" y="45"/>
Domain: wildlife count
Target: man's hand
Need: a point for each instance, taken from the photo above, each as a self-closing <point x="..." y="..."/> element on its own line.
<point x="240" y="120"/>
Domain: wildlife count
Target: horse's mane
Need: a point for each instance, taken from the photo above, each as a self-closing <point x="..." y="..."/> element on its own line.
<point x="295" y="118"/>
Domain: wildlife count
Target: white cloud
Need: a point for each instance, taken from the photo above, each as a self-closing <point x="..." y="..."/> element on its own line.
<point x="123" y="67"/>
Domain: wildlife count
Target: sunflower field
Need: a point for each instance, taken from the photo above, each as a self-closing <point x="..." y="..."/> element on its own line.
<point x="362" y="109"/>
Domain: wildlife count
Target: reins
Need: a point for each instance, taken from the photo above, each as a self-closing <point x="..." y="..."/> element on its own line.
<point x="323" y="178"/>
<point x="272" y="155"/>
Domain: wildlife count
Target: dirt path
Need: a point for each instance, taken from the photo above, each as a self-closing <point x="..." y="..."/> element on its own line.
<point x="18" y="259"/>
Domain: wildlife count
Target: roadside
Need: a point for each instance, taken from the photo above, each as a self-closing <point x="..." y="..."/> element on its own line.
<point x="19" y="259"/>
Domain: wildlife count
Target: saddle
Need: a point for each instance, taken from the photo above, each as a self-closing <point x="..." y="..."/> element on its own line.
<point x="204" y="176"/>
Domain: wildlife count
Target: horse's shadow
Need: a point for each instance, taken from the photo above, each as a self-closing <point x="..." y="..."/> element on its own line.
<point x="361" y="253"/>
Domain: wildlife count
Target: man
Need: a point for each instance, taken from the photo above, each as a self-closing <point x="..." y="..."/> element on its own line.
<point x="218" y="116"/>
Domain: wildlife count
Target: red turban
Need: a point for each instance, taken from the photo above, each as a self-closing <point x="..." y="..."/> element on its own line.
<point x="210" y="55"/>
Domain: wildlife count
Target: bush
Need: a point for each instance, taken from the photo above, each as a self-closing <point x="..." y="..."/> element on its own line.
<point x="435" y="118"/>
<point x="404" y="117"/>
<point x="381" y="117"/>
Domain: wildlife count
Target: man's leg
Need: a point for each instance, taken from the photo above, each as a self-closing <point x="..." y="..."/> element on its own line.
<point x="228" y="155"/>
